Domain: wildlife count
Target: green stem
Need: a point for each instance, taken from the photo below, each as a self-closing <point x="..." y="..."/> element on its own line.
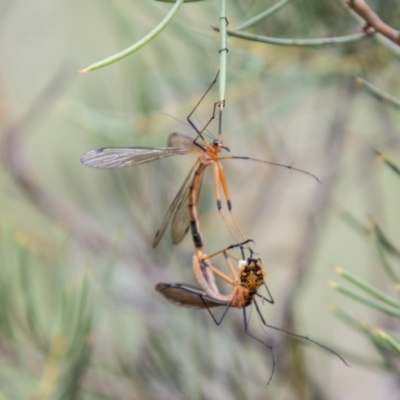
<point x="350" y="220"/>
<point x="369" y="302"/>
<point x="385" y="242"/>
<point x="389" y="163"/>
<point x="367" y="288"/>
<point x="381" y="254"/>
<point x="394" y="344"/>
<point x="146" y="39"/>
<point x="296" y="42"/>
<point x="223" y="50"/>
<point x="264" y="14"/>
<point x="348" y="319"/>
<point x="378" y="93"/>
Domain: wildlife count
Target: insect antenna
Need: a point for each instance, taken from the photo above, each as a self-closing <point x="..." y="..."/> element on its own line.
<point x="297" y="335"/>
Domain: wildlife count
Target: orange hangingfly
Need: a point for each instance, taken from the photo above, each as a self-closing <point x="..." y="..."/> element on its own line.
<point x="209" y="154"/>
<point x="245" y="284"/>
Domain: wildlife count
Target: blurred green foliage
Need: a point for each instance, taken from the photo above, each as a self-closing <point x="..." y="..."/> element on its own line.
<point x="386" y="345"/>
<point x="78" y="314"/>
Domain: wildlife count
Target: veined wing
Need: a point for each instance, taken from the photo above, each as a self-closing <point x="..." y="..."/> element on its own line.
<point x="176" y="139"/>
<point x="171" y="210"/>
<point x="118" y="157"/>
<point x="183" y="294"/>
<point x="181" y="222"/>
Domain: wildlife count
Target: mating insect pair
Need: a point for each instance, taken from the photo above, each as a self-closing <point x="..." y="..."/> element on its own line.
<point x="183" y="213"/>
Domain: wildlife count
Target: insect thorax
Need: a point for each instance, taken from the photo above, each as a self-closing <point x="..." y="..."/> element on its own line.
<point x="251" y="273"/>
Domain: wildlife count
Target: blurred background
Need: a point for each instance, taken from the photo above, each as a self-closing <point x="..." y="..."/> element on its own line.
<point x="79" y="317"/>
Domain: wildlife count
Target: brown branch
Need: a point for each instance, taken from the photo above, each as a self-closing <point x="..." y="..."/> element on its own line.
<point x="372" y="21"/>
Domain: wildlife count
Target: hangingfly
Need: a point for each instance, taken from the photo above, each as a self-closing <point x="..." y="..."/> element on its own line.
<point x="178" y="144"/>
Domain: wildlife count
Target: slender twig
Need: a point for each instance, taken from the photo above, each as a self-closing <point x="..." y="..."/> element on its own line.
<point x="391" y="46"/>
<point x="367" y="288"/>
<point x="146" y="39"/>
<point x="317" y="42"/>
<point x="264" y="14"/>
<point x="223" y="51"/>
<point x="378" y="305"/>
<point x="393" y="343"/>
<point x="372" y="21"/>
<point x="374" y="235"/>
<point x="378" y="93"/>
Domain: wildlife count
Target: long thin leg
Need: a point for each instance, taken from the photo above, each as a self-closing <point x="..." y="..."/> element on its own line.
<point x="220" y="180"/>
<point x="246" y="329"/>
<point x="224" y="185"/>
<point x="228" y="261"/>
<point x="270" y="300"/>
<point x="232" y="246"/>
<point x="270" y="163"/>
<point x="241" y="247"/>
<point x="230" y="266"/>
<point x="212" y="315"/>
<point x="198" y="131"/>
<point x="217" y="184"/>
<point x="298" y="336"/>
<point x="220" y="274"/>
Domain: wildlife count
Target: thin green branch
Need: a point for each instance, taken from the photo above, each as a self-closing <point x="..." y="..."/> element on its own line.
<point x="361" y="327"/>
<point x="262" y="15"/>
<point x="378" y="93"/>
<point x="381" y="254"/>
<point x="369" y="302"/>
<point x="389" y="163"/>
<point x="349" y="219"/>
<point x="385" y="242"/>
<point x="348" y="319"/>
<point x="146" y="39"/>
<point x="389" y="340"/>
<point x="372" y="335"/>
<point x="367" y="287"/>
<point x="340" y="40"/>
<point x="223" y="51"/>
<point x="362" y="229"/>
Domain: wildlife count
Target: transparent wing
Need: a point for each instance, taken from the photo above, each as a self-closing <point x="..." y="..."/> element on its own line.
<point x="176" y="139"/>
<point x="183" y="294"/>
<point x="171" y="210"/>
<point x="118" y="157"/>
<point x="181" y="222"/>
